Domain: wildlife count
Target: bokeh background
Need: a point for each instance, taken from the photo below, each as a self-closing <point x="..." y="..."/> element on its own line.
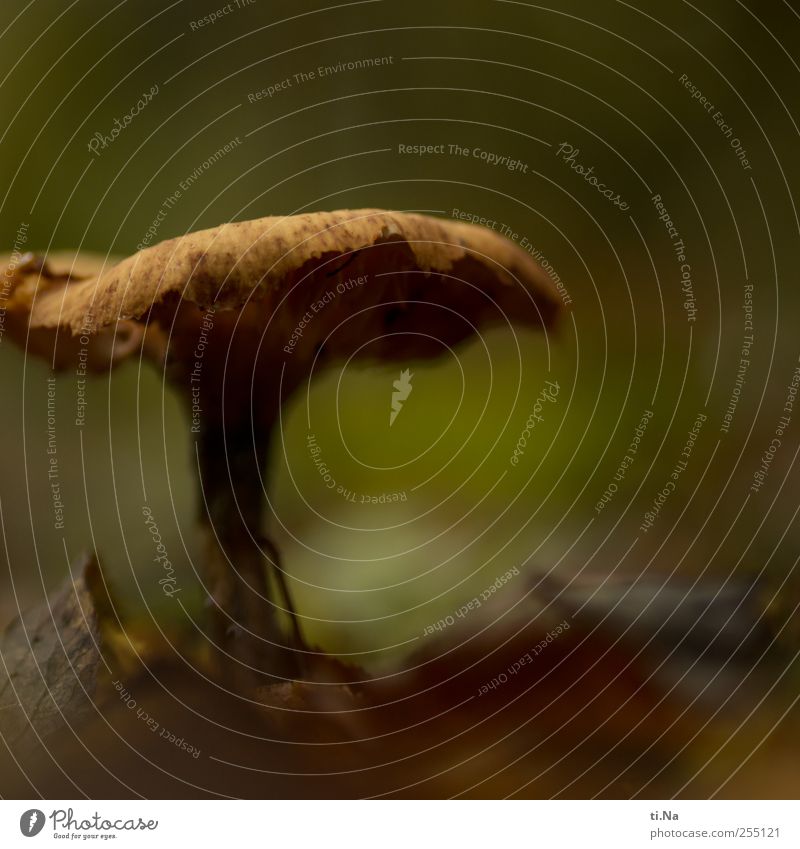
<point x="514" y="78"/>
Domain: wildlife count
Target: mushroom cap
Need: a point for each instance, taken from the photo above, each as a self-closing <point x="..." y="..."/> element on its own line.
<point x="27" y="275"/>
<point x="315" y="286"/>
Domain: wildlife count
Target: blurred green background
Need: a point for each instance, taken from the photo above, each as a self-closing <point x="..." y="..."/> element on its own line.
<point x="512" y="78"/>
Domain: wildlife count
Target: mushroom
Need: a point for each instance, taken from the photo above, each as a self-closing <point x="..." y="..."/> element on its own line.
<point x="239" y="316"/>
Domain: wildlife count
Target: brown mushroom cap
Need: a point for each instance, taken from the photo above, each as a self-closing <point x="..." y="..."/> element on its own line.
<point x="25" y="276"/>
<point x="407" y="285"/>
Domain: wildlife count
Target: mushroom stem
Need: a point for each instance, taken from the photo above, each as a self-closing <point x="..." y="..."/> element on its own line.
<point x="244" y="621"/>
